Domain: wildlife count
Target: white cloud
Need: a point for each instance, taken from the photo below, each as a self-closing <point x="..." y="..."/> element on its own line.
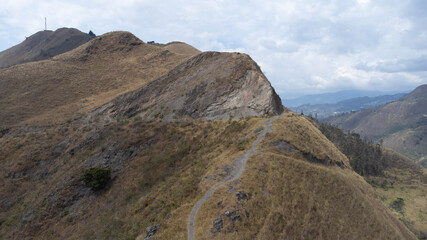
<point x="303" y="46"/>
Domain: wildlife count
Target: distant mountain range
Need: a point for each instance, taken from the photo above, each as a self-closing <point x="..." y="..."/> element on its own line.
<point x="335" y="97"/>
<point x="354" y="104"/>
<point x="400" y="125"/>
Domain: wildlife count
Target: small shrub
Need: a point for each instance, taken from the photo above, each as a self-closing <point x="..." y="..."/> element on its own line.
<point x="241" y="145"/>
<point x="158" y="115"/>
<point x="96" y="178"/>
<point x="398" y="204"/>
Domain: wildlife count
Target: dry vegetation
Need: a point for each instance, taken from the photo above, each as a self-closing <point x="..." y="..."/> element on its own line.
<point x="155" y="185"/>
<point x="407" y="181"/>
<point x="292" y="198"/>
<point x="160" y="169"/>
<point x="298" y="185"/>
<point x="400" y="183"/>
<point x="70" y="84"/>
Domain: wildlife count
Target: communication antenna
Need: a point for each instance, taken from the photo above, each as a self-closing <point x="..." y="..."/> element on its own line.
<point x="45" y="24"/>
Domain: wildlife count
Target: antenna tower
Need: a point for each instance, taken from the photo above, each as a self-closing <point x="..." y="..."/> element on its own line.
<point x="45" y="24"/>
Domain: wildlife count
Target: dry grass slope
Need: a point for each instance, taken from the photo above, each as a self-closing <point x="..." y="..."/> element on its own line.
<point x="295" y="199"/>
<point x="161" y="169"/>
<point x="77" y="81"/>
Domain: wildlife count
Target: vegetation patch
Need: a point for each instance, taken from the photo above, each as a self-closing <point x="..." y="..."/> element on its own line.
<point x="97" y="178"/>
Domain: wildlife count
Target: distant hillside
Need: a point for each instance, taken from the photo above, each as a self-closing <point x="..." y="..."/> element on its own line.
<point x="43" y="45"/>
<point x="331" y="98"/>
<point x="354" y="104"/>
<point x="400" y="125"/>
<point x="68" y="85"/>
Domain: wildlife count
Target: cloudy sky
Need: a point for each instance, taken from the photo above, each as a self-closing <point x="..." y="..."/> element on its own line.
<point x="303" y="47"/>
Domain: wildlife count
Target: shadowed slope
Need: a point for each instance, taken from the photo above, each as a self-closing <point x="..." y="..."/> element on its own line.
<point x="43" y="45"/>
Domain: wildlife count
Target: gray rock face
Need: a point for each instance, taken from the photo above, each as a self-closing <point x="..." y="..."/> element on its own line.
<point x="151" y="230"/>
<point x="217" y="225"/>
<point x="210" y="85"/>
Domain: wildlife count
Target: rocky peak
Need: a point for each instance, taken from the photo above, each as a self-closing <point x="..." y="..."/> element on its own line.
<point x="211" y="85"/>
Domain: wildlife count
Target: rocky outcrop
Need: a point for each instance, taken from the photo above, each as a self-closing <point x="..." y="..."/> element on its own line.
<point x="211" y="85"/>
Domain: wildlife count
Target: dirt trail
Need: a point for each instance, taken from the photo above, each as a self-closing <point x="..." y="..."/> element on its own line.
<point x="238" y="167"/>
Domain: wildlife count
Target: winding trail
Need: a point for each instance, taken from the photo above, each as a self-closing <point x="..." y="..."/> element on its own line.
<point x="238" y="168"/>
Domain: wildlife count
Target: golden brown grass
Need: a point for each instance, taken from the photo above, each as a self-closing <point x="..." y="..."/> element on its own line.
<point x="159" y="185"/>
<point x="291" y="198"/>
<point x="408" y="182"/>
<point x="70" y="84"/>
<point x="294" y="199"/>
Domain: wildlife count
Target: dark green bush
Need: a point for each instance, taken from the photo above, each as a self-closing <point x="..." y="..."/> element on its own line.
<point x="398" y="204"/>
<point x="96" y="178"/>
<point x="366" y="158"/>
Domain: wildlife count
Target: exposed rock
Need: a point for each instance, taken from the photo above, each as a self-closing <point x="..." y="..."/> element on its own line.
<point x="284" y="147"/>
<point x="111" y="156"/>
<point x="258" y="130"/>
<point x="28" y="216"/>
<point x="217" y="225"/>
<point x="227" y="171"/>
<point x="151" y="230"/>
<point x="241" y="195"/>
<point x="210" y="85"/>
<point x="235" y="216"/>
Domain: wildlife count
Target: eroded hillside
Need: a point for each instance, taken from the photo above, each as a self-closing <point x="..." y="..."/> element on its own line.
<point x="211" y="85"/>
<point x="295" y="179"/>
<point x="167" y="128"/>
<point x="69" y="85"/>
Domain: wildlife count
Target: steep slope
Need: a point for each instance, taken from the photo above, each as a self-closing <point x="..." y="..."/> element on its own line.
<point x="295" y="180"/>
<point x="43" y="45"/>
<point x="167" y="142"/>
<point x="210" y="85"/>
<point x="400" y="183"/>
<point x="77" y="81"/>
<point x="403" y="188"/>
<point x="402" y="125"/>
<point x="353" y="104"/>
<point x="287" y="197"/>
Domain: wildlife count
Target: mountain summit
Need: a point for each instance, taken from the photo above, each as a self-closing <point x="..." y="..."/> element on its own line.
<point x="43" y="45"/>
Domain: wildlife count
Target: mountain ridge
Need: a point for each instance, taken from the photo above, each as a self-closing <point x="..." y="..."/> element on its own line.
<point x="166" y="125"/>
<point x="349" y="105"/>
<point x="334" y="97"/>
<point x="43" y="45"/>
<point x="70" y="84"/>
<point x="237" y="89"/>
